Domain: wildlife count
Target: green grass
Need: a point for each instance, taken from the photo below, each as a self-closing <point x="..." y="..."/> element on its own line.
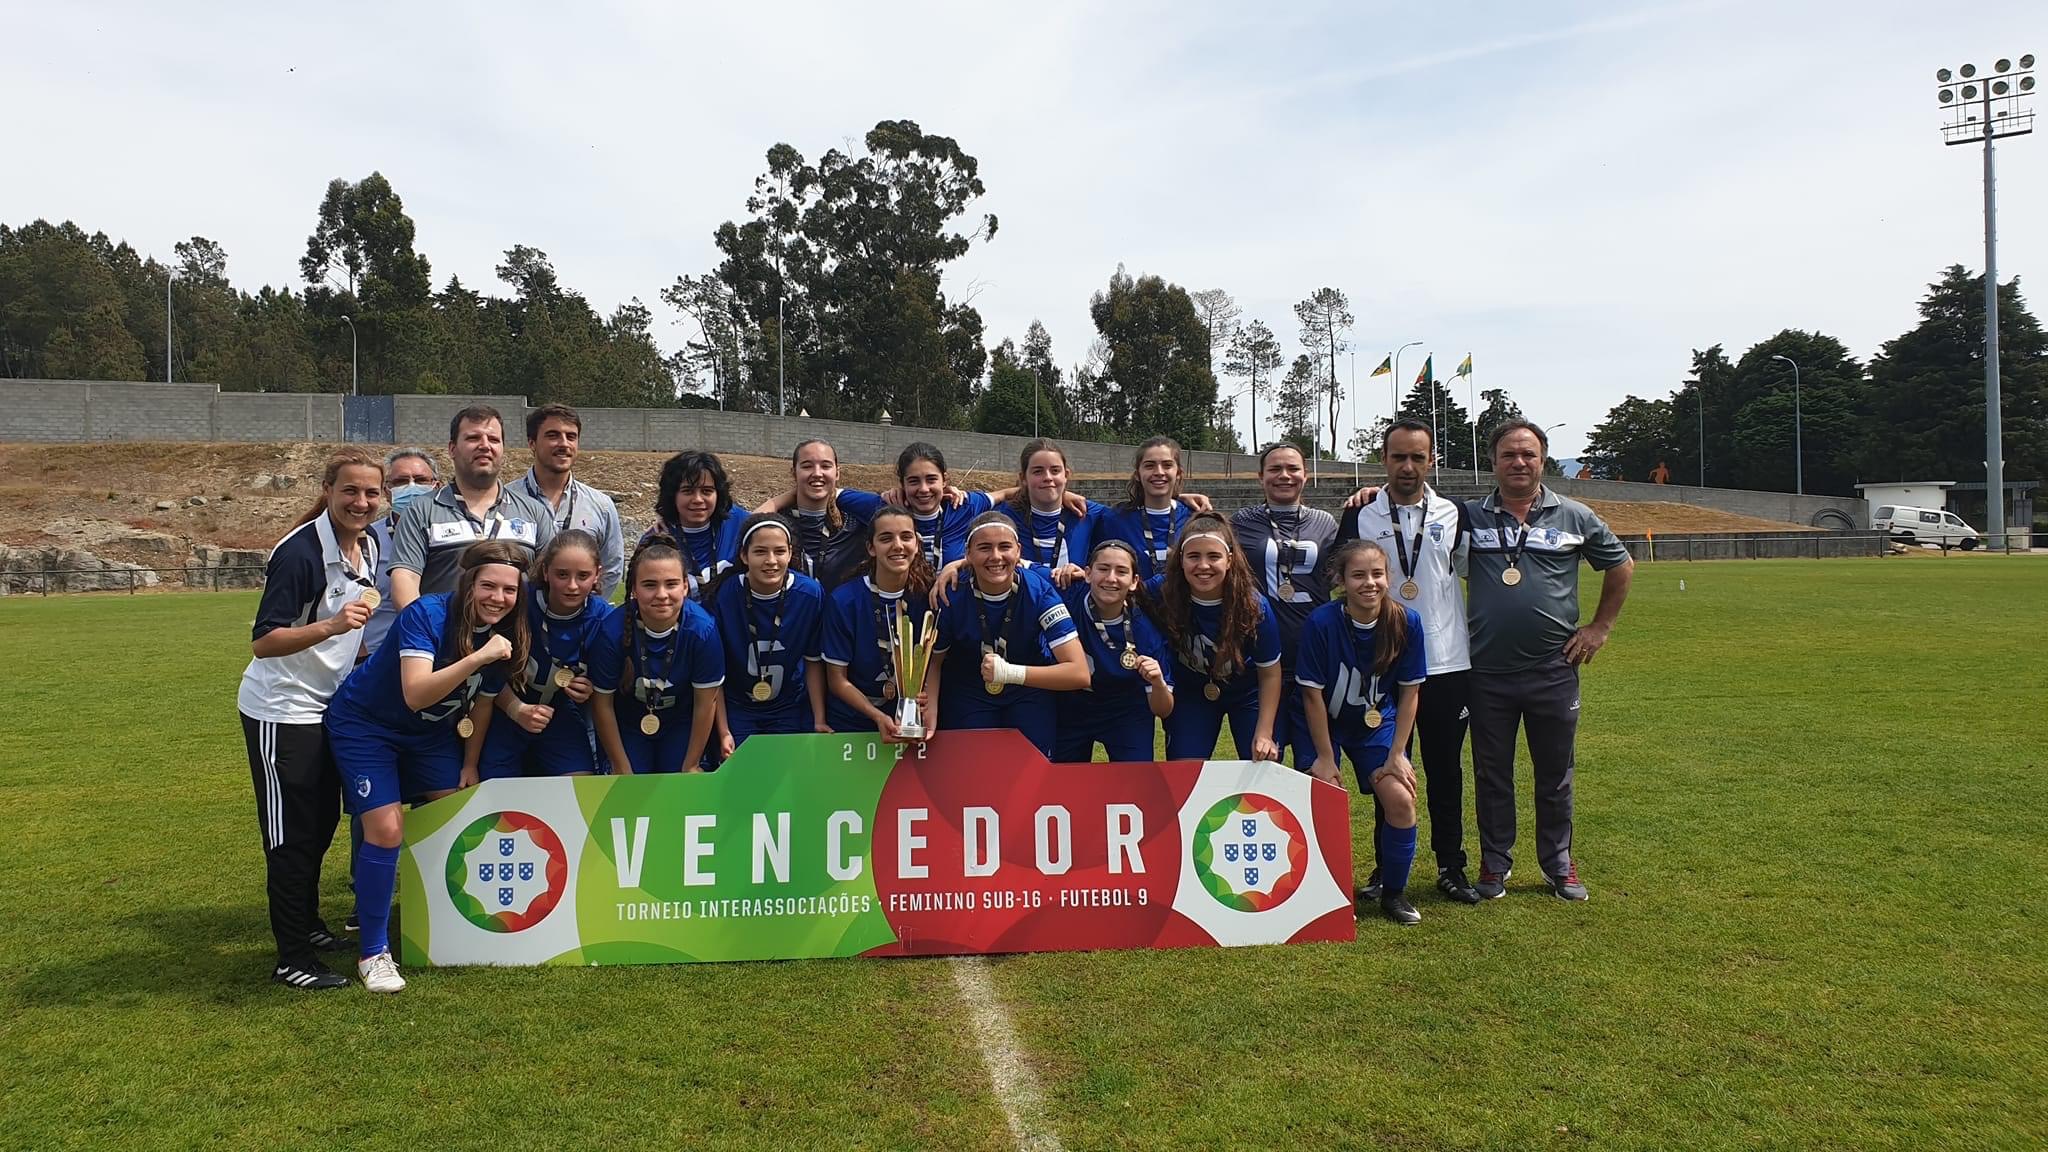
<point x="1811" y="803"/>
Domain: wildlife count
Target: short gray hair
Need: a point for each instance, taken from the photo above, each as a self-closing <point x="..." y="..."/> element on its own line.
<point x="398" y="454"/>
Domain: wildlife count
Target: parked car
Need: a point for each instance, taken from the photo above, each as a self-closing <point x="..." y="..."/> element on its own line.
<point x="1931" y="526"/>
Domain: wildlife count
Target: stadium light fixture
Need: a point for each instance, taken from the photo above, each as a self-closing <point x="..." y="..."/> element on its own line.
<point x="351" y="354"/>
<point x="1798" y="435"/>
<point x="1984" y="112"/>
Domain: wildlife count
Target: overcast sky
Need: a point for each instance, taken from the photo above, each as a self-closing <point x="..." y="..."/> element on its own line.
<point x="1575" y="194"/>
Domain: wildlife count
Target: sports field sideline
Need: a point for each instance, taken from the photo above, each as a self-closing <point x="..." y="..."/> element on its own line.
<point x="1811" y="810"/>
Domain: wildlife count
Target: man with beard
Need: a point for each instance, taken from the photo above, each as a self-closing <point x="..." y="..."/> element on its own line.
<point x="432" y="534"/>
<point x="1421" y="534"/>
<point x="552" y="433"/>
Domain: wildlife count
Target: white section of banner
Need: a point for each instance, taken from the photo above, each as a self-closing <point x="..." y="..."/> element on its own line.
<point x="452" y="938"/>
<point x="1319" y="893"/>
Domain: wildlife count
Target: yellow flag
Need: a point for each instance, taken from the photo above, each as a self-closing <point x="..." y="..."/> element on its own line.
<point x="1465" y="369"/>
<point x="1386" y="367"/>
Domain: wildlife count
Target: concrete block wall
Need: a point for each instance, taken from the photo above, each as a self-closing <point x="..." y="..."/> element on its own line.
<point x="257" y="418"/>
<point x="423" y="420"/>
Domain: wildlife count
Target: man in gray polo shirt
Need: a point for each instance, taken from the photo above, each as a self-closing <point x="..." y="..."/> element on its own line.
<point x="432" y="532"/>
<point x="1527" y="645"/>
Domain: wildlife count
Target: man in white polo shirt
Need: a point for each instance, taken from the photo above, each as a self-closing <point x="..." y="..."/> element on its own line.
<point x="1421" y="534"/>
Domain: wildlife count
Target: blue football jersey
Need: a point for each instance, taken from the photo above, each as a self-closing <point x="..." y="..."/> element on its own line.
<point x="786" y="630"/>
<point x="1105" y="641"/>
<point x="373" y="692"/>
<point x="1023" y="625"/>
<point x="1051" y="539"/>
<point x="649" y="672"/>
<point x="560" y="642"/>
<point x="1337" y="658"/>
<point x="1191" y="665"/>
<point x="1150" y="533"/>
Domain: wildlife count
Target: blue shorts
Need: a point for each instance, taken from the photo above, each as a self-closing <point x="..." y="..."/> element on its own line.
<point x="1365" y="760"/>
<point x="661" y="752"/>
<point x="1197" y="721"/>
<point x="969" y="707"/>
<point x="746" y="722"/>
<point x="560" y="749"/>
<point x="379" y="766"/>
<point x="1290" y="727"/>
<point x="1121" y="723"/>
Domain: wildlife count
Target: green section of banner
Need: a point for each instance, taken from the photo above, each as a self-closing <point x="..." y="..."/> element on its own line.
<point x="697" y="898"/>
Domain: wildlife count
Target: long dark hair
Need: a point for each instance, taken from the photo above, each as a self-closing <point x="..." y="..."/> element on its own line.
<point x="739" y="564"/>
<point x="921" y="576"/>
<point x="655" y="547"/>
<point x="919" y="450"/>
<point x="1021" y="498"/>
<point x="342" y="458"/>
<point x="687" y="468"/>
<point x="1240" y="599"/>
<point x="512" y="554"/>
<point x="565" y="539"/>
<point x="834" y="518"/>
<point x="1134" y="492"/>
<point x="1390" y="628"/>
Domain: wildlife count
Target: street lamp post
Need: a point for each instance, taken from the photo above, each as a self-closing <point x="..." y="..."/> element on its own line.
<point x="170" y="274"/>
<point x="351" y="354"/>
<point x="1394" y="385"/>
<point x="1986" y="110"/>
<point x="1700" y="386"/>
<point x="1798" y="434"/>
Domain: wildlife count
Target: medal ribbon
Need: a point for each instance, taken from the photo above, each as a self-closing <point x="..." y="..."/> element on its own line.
<point x="1001" y="644"/>
<point x="884" y="635"/>
<point x="1522" y="540"/>
<point x="1102" y="630"/>
<point x="1283" y="545"/>
<point x="1410" y="554"/>
<point x="640" y="656"/>
<point x="567" y="518"/>
<point x="1363" y="665"/>
<point x="775" y="628"/>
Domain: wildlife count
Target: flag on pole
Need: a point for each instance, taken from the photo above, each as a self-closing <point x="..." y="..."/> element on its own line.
<point x="1386" y="367"/>
<point x="1465" y="369"/>
<point x="1428" y="373"/>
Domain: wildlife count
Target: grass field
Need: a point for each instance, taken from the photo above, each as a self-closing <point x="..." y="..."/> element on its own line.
<point x="1811" y="803"/>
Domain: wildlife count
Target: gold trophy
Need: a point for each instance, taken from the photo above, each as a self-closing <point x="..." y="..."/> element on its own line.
<point x="909" y="656"/>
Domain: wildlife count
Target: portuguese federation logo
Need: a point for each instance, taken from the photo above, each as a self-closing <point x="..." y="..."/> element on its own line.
<point x="506" y="872"/>
<point x="1249" y="852"/>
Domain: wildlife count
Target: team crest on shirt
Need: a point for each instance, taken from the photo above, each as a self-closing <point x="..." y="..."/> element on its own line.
<point x="1436" y="533"/>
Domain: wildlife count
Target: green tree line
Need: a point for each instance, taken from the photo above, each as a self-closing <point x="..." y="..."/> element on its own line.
<point x="1914" y="412"/>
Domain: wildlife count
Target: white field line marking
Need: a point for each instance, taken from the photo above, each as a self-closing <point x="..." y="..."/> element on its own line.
<point x="1009" y="1069"/>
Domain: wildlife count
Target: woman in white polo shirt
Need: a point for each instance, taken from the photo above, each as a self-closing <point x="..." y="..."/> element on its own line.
<point x="318" y="590"/>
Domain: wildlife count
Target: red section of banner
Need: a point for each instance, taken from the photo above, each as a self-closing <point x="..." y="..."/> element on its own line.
<point x="980" y="845"/>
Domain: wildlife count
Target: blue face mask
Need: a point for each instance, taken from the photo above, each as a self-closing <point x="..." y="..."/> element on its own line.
<point x="405" y="494"/>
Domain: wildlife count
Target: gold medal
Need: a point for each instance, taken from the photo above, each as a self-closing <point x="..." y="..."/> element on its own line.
<point x="1409" y="590"/>
<point x="563" y="674"/>
<point x="1212" y="690"/>
<point x="650" y="724"/>
<point x="1286" y="590"/>
<point x="1373" y="718"/>
<point x="370" y="598"/>
<point x="994" y="688"/>
<point x="1129" y="659"/>
<point x="888" y="689"/>
<point x="762" y="691"/>
<point x="465" y="727"/>
<point x="1511" y="577"/>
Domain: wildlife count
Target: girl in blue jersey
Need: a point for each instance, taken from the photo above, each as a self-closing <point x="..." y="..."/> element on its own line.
<point x="408" y="721"/>
<point x="693" y="508"/>
<point x="1022" y="633"/>
<point x="662" y="650"/>
<point x="941" y="523"/>
<point x="1361" y="658"/>
<point x="771" y="622"/>
<point x="1226" y="645"/>
<point x="544" y="730"/>
<point x="1128" y="682"/>
<point x="1054" y="533"/>
<point x="858" y="619"/>
<point x="1153" y="509"/>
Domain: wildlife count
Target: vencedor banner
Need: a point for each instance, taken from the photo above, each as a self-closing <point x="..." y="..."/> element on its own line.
<point x="845" y="846"/>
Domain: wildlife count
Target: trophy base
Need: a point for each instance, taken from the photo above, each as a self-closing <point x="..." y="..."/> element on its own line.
<point x="910" y="731"/>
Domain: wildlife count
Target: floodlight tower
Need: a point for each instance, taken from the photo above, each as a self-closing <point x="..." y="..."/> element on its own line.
<point x="1986" y="109"/>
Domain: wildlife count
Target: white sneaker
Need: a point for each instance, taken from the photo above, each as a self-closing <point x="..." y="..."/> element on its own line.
<point x="380" y="973"/>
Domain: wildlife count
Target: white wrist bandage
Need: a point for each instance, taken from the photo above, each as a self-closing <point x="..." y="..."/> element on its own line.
<point x="1007" y="673"/>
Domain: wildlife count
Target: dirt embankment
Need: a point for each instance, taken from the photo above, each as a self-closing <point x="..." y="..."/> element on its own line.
<point x="146" y="503"/>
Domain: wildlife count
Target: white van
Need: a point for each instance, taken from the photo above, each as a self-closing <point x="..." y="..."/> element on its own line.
<point x="1931" y="526"/>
